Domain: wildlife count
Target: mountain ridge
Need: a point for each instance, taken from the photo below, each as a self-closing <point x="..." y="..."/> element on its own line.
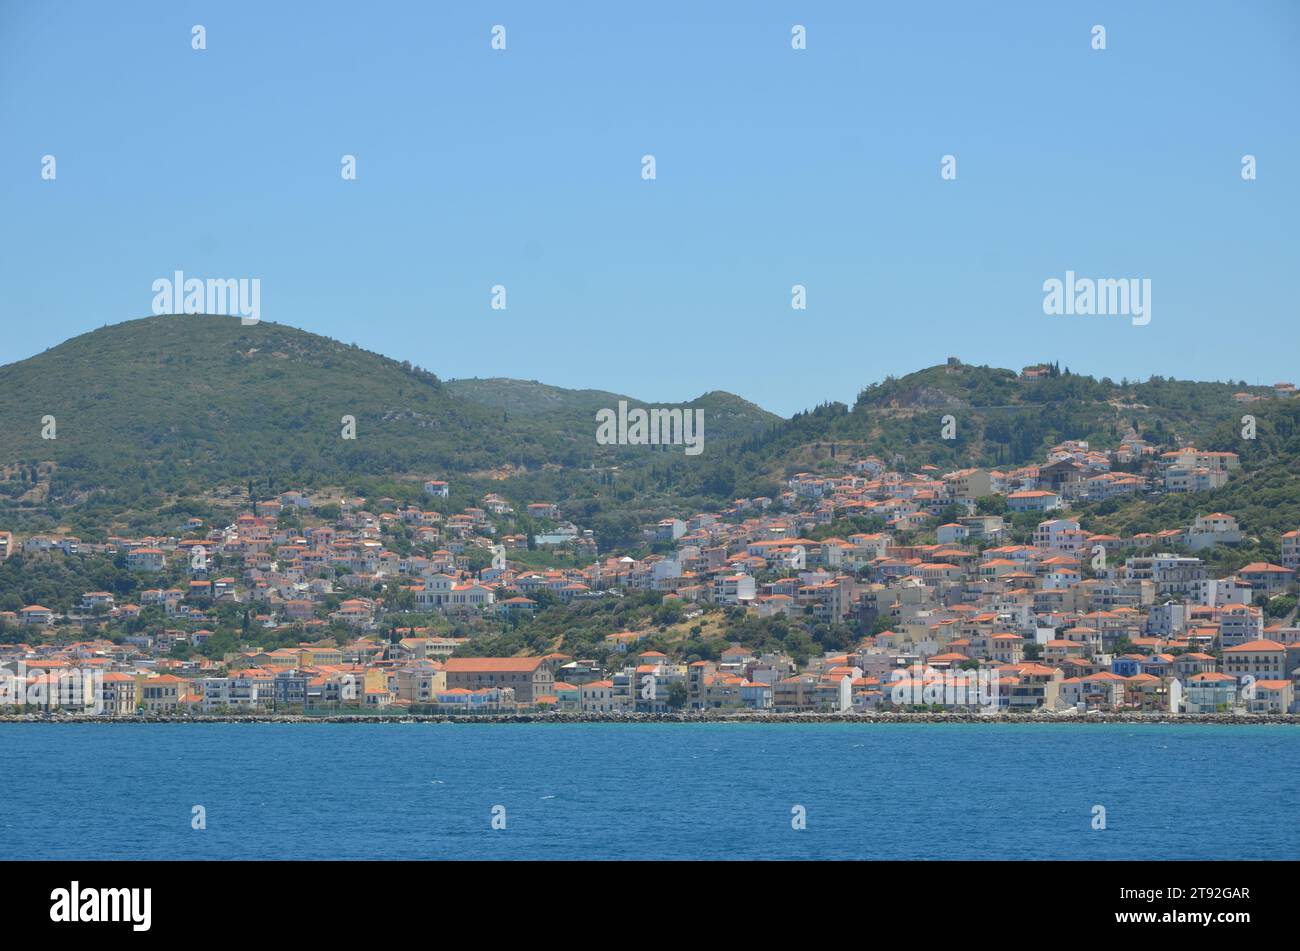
<point x="176" y="406"/>
<point x="179" y="403"/>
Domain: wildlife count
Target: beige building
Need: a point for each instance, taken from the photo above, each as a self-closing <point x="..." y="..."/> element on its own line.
<point x="529" y="677"/>
<point x="119" y="694"/>
<point x="161" y="694"/>
<point x="419" y="683"/>
<point x="1262" y="660"/>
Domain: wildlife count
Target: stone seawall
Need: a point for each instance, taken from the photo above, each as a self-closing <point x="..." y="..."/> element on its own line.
<point x="633" y="718"/>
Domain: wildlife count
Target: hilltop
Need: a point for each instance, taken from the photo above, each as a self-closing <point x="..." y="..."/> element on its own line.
<point x="999" y="417"/>
<point x="555" y="408"/>
<point x="531" y="398"/>
<point x="173" y="403"/>
<point x="171" y="406"/>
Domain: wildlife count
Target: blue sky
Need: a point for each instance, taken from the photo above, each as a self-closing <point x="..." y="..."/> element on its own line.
<point x="775" y="167"/>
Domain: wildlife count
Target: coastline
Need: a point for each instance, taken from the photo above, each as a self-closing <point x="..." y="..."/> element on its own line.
<point x="1131" y="719"/>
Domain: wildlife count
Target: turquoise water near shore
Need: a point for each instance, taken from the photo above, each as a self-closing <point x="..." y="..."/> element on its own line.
<point x="649" y="791"/>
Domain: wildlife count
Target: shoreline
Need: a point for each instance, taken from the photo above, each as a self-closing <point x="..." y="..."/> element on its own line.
<point x="1186" y="719"/>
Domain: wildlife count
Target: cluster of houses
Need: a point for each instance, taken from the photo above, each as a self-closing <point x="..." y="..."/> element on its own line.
<point x="1072" y="472"/>
<point x="1281" y="391"/>
<point x="288" y="575"/>
<point x="971" y="620"/>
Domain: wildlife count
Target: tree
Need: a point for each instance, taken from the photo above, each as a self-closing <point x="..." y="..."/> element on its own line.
<point x="677" y="695"/>
<point x="1280" y="606"/>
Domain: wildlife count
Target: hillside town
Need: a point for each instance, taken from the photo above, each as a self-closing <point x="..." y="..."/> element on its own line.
<point x="970" y="591"/>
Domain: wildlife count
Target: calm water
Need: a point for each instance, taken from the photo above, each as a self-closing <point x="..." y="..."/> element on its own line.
<point x="648" y="791"/>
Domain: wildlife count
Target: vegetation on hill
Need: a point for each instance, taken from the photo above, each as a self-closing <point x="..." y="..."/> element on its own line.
<point x="174" y="414"/>
<point x="1264" y="497"/>
<point x="152" y="410"/>
<point x="531" y="398"/>
<point x="999" y="418"/>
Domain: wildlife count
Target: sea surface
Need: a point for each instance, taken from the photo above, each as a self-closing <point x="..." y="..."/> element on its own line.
<point x="649" y="791"/>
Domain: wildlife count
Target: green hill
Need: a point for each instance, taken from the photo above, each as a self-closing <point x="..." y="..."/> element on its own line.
<point x="178" y="406"/>
<point x="556" y="409"/>
<point x="178" y="403"/>
<point x="1000" y="418"/>
<point x="1264" y="497"/>
<point x="530" y="398"/>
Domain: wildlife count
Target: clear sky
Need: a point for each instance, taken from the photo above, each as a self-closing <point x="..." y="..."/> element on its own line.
<point x="775" y="167"/>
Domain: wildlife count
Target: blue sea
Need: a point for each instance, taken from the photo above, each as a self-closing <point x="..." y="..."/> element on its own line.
<point x="649" y="791"/>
